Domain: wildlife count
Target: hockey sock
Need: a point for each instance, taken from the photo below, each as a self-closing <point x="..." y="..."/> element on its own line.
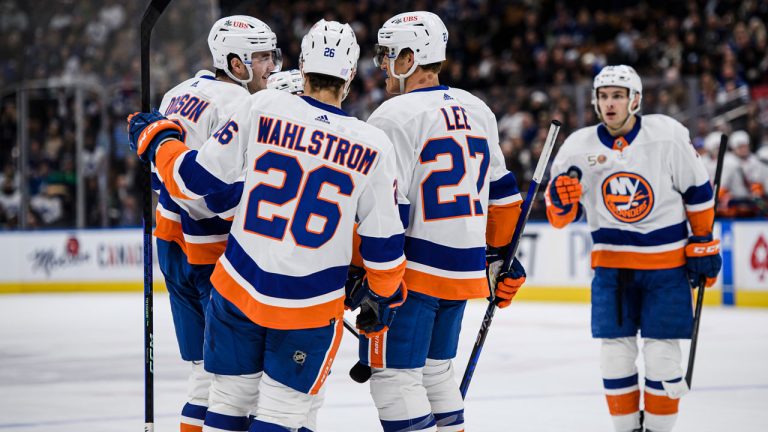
<point x="444" y="395"/>
<point x="620" y="381"/>
<point x="664" y="385"/>
<point x="192" y="418"/>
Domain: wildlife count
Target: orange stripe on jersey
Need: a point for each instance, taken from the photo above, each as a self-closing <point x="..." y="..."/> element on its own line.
<point x="357" y="259"/>
<point x="502" y="221"/>
<point x="623" y="404"/>
<point x="275" y="317"/>
<point x="639" y="261"/>
<point x="165" y="159"/>
<point x="326" y="369"/>
<point x="376" y="351"/>
<point x="446" y="288"/>
<point x="660" y="405"/>
<point x="205" y="253"/>
<point x="190" y="428"/>
<point x="701" y="221"/>
<point x="169" y="230"/>
<point x="385" y="282"/>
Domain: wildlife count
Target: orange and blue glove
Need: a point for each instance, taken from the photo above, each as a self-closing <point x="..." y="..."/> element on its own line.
<point x="505" y="285"/>
<point x="702" y="260"/>
<point x="564" y="192"/>
<point x="146" y="131"/>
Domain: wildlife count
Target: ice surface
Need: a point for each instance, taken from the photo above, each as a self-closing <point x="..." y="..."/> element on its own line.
<point x="74" y="362"/>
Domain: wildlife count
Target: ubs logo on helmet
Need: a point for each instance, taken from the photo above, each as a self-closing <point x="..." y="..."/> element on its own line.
<point x="628" y="196"/>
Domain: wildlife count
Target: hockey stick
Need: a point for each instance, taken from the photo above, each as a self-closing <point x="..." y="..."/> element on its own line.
<point x="700" y="293"/>
<point x="153" y="12"/>
<point x="541" y="166"/>
<point x="359" y="373"/>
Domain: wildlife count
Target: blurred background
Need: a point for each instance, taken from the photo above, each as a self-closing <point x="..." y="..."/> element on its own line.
<point x="69" y="75"/>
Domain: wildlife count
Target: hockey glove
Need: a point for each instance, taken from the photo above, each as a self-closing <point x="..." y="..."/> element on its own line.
<point x="702" y="260"/>
<point x="508" y="284"/>
<point x="494" y="258"/>
<point x="354" y="287"/>
<point x="564" y="192"/>
<point x="376" y="312"/>
<point x="146" y="131"/>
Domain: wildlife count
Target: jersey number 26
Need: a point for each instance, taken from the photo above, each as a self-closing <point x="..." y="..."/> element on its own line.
<point x="304" y="186"/>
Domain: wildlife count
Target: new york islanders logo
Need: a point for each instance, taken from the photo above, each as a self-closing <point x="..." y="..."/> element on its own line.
<point x="628" y="196"/>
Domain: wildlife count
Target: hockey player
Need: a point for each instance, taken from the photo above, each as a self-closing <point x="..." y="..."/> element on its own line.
<point x="742" y="182"/>
<point x="190" y="237"/>
<point x="455" y="196"/>
<point x="274" y="321"/>
<point x="290" y="81"/>
<point x="649" y="204"/>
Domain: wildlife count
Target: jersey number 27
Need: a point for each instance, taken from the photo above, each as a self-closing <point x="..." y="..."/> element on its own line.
<point x="461" y="205"/>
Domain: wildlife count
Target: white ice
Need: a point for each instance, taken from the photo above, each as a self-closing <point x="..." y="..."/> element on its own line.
<point x="74" y="362"/>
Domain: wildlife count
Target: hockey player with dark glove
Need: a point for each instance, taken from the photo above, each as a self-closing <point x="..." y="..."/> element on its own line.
<point x="507" y="284"/>
<point x="376" y="311"/>
<point x="702" y="260"/>
<point x="147" y="131"/>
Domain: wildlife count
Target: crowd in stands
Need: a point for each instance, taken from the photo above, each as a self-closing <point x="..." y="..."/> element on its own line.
<point x="703" y="62"/>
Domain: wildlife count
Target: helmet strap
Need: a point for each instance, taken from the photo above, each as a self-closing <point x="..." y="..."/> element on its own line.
<point x="243" y="83"/>
<point x="401" y="78"/>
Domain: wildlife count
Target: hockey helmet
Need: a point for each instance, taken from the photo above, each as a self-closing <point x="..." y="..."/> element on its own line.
<point x="290" y="81"/>
<point x="242" y="35"/>
<point x="330" y="48"/>
<point x="619" y="76"/>
<point x="422" y="32"/>
<point x="712" y="142"/>
<point x="737" y="139"/>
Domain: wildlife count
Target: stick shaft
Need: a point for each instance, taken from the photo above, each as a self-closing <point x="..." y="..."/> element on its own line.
<point x="701" y="287"/>
<point x="148" y="21"/>
<point x="485" y="326"/>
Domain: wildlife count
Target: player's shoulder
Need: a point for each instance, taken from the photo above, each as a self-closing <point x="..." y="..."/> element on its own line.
<point x="271" y="101"/>
<point x="373" y="135"/>
<point x="465" y="98"/>
<point x="661" y="122"/>
<point x="579" y="139"/>
<point x="412" y="104"/>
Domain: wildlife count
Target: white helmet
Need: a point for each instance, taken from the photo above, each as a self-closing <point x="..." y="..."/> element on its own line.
<point x="242" y="35"/>
<point x="330" y="48"/>
<point x="737" y="139"/>
<point x="712" y="142"/>
<point x="619" y="76"/>
<point x="290" y="81"/>
<point x="423" y="32"/>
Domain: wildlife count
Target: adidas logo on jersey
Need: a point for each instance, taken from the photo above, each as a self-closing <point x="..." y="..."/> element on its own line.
<point x="323" y="118"/>
<point x="446" y="96"/>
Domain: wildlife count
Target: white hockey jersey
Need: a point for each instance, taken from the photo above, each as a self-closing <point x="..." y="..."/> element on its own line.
<point x="640" y="191"/>
<point x="199" y="105"/>
<point x="732" y="179"/>
<point x="309" y="171"/>
<point x="452" y="185"/>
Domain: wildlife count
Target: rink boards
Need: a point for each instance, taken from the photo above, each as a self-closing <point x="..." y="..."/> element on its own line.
<point x="557" y="262"/>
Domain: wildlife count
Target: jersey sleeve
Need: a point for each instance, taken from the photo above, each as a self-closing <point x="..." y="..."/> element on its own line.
<point x="504" y="199"/>
<point x="381" y="233"/>
<point x="405" y="157"/>
<point x="190" y="174"/>
<point x="690" y="179"/>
